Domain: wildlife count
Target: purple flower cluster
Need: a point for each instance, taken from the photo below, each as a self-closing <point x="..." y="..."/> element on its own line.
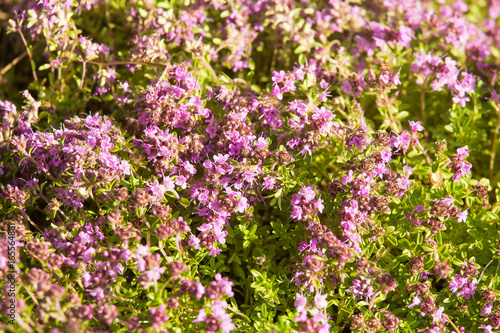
<point x="459" y="165"/>
<point x="438" y="213"/>
<point x="217" y="319"/>
<point x="425" y="301"/>
<point x="465" y="284"/>
<point x="312" y="317"/>
<point x="191" y="139"/>
<point x="429" y="67"/>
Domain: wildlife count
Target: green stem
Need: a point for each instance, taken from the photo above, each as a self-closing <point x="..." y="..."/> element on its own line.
<point x="211" y="70"/>
<point x="494" y="144"/>
<point x="84" y="72"/>
<point x="423" y="116"/>
<point x="13" y="63"/>
<point x="32" y="62"/>
<point x="339" y="318"/>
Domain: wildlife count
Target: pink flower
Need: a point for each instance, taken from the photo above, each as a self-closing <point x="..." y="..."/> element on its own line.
<point x="190" y="168"/>
<point x="347" y="178"/>
<point x="461" y="100"/>
<point x="463" y="152"/>
<point x="347" y="88"/>
<point x="487" y="309"/>
<point x="457" y="283"/>
<point x="300" y="302"/>
<point x="277" y="92"/>
<point x="462" y="216"/>
<point x="202" y="315"/>
<point x="269" y="183"/>
<point x="157" y="189"/>
<point x="125" y="167"/>
<point x="306" y="150"/>
<point x="97" y="292"/>
<point x="296" y="213"/>
<point x="289" y="85"/>
<point x="87" y="255"/>
<point x="415" y="126"/>
<point x="356" y="141"/>
<point x="487" y="329"/>
<point x="395" y="79"/>
<point x="437" y="315"/>
<point x="318" y="205"/>
<point x="308" y="193"/>
<point x="405" y="35"/>
<point x="320" y="301"/>
<point x="242" y="205"/>
<point x="468" y="290"/>
<point x="200" y="290"/>
<point x="278" y="77"/>
<point x="494" y="96"/>
<point x="416" y="301"/>
<point x="142" y="250"/>
<point x="181" y="181"/>
<point x="301" y="317"/>
<point x="154" y="274"/>
<point x="386" y="155"/>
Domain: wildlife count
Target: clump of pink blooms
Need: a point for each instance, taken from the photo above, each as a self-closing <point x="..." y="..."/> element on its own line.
<point x="149" y="170"/>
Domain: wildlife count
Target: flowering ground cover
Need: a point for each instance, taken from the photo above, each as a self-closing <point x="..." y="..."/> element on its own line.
<point x="249" y="166"/>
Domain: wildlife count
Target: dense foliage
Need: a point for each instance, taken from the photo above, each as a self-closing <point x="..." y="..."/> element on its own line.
<point x="250" y="166"/>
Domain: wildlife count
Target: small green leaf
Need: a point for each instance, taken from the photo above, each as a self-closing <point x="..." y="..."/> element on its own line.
<point x="402" y="115"/>
<point x="392" y="240"/>
<point x="427" y="247"/>
<point x="300" y="49"/>
<point x="44" y="67"/>
<point x="184" y="202"/>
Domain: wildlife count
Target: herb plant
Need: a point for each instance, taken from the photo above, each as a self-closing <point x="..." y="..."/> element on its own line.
<point x="250" y="166"/>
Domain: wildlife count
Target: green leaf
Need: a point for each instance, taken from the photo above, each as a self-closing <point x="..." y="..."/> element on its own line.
<point x="44" y="67"/>
<point x="402" y="115"/>
<point x="300" y="49"/>
<point x="392" y="265"/>
<point x="172" y="193"/>
<point x="392" y="240"/>
<point x="184" y="202"/>
<point x="427" y="247"/>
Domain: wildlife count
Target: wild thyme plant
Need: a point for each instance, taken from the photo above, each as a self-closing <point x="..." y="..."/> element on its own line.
<point x="250" y="166"/>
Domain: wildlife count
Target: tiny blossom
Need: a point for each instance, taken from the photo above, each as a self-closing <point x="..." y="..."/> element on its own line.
<point x="415" y="126"/>
<point x="308" y="193"/>
<point x="347" y="88"/>
<point x="462" y="216"/>
<point x="495" y="96"/>
<point x="320" y="301"/>
<point x="251" y="131"/>
<point x="459" y="165"/>
<point x="269" y="183"/>
<point x="487" y="309"/>
<point x="416" y="301"/>
<point x="300" y="302"/>
<point x="486" y="328"/>
<point x="347" y="178"/>
<point x="468" y="290"/>
<point x="437" y="315"/>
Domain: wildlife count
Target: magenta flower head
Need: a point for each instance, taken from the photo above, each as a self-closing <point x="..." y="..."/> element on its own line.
<point x="233" y="157"/>
<point x="415" y="126"/>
